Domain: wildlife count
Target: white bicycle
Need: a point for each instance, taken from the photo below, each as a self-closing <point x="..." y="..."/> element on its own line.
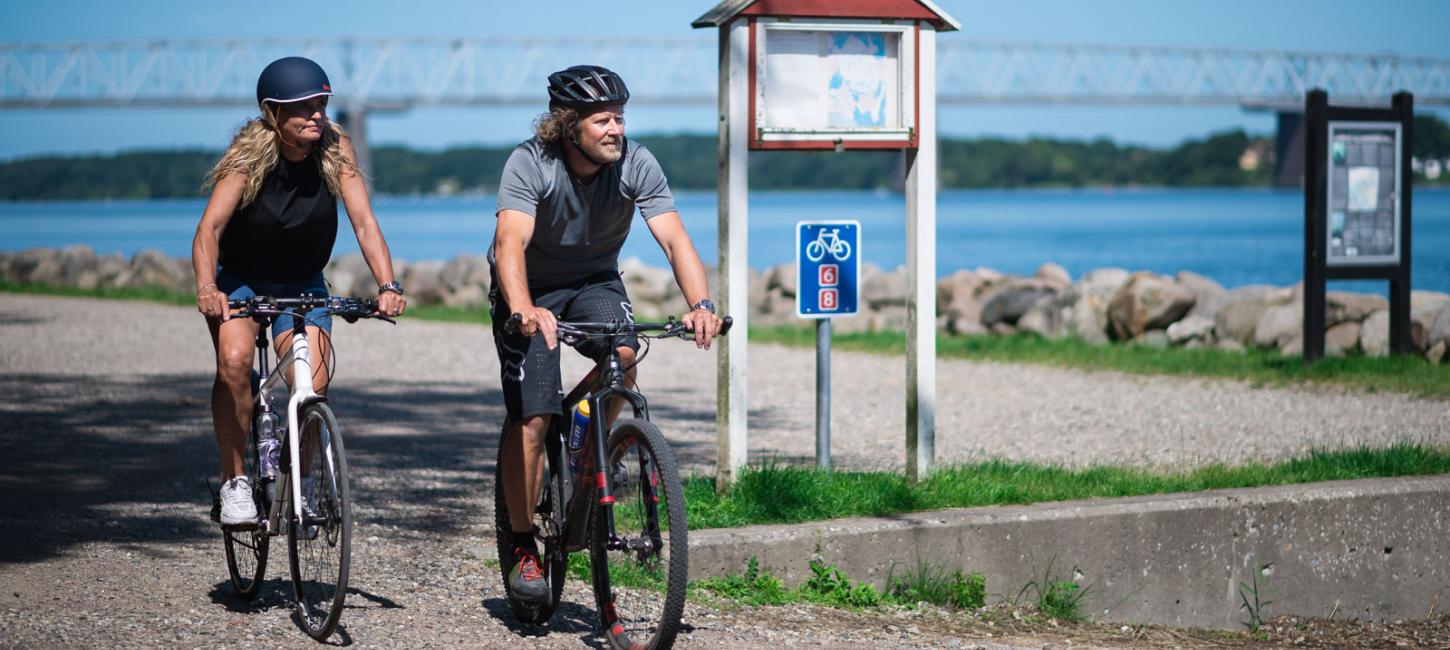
<point x="301" y="492"/>
<point x="828" y="240"/>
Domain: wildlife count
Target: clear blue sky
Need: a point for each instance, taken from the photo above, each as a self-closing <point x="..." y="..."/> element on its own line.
<point x="1407" y="27"/>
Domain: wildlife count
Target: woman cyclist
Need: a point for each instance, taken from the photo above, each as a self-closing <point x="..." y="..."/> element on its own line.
<point x="268" y="229"/>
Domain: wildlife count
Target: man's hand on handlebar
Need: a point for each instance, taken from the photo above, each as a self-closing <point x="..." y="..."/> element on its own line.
<point x="705" y="324"/>
<point x="533" y="320"/>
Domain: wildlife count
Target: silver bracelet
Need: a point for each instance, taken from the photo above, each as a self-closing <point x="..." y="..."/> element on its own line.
<point x="204" y="287"/>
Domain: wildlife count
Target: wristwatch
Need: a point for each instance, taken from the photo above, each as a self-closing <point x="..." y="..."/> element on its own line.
<point x="705" y="305"/>
<point x="394" y="286"/>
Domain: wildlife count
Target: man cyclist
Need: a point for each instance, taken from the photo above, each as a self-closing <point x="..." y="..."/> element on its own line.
<point x="565" y="205"/>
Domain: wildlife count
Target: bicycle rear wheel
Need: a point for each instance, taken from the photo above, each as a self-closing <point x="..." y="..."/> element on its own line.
<point x="247" y="549"/>
<point x="320" y="547"/>
<point x="548" y="516"/>
<point x="639" y="577"/>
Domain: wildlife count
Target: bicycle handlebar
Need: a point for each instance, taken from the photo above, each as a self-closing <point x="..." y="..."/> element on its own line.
<point x="667" y="329"/>
<point x="348" y="308"/>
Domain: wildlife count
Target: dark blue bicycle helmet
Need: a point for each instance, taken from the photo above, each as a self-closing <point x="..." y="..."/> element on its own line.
<point x="587" y="86"/>
<point x="292" y="79"/>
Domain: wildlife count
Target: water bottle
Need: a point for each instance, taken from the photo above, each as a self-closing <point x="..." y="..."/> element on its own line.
<point x="269" y="448"/>
<point x="578" y="430"/>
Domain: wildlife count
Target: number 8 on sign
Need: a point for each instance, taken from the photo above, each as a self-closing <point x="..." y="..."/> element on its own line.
<point x="827" y="300"/>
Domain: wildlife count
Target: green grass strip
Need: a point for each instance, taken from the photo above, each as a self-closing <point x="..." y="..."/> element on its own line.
<point x="1400" y="374"/>
<point x="146" y="294"/>
<point x="774" y="493"/>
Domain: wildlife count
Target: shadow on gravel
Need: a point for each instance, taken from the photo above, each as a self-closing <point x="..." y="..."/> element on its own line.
<point x="272" y="593"/>
<point x="125" y="459"/>
<point x="569" y="618"/>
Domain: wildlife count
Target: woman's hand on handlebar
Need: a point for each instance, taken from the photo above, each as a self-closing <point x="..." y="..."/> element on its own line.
<point x="705" y="324"/>
<point x="212" y="303"/>
<point x="391" y="303"/>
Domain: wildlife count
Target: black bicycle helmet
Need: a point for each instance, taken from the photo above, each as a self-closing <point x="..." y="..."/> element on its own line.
<point x="292" y="79"/>
<point x="587" y="86"/>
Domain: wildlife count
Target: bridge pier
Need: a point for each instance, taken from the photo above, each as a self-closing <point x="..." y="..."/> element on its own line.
<point x="1289" y="150"/>
<point x="354" y="120"/>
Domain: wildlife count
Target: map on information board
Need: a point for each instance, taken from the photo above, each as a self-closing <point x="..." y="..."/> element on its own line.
<point x="832" y="81"/>
<point x="861" y="80"/>
<point x="1364" y="218"/>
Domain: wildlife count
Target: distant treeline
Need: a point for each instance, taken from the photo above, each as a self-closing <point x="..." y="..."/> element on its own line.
<point x="1232" y="158"/>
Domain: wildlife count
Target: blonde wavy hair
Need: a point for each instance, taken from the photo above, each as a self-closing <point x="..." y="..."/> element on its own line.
<point x="257" y="146"/>
<point x="554" y="125"/>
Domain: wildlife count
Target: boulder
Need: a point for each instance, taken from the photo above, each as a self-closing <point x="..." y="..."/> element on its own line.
<point x="1278" y="325"/>
<point x="1087" y="319"/>
<point x="1426" y="299"/>
<point x="423" y="281"/>
<point x="782" y="277"/>
<point x="1105" y="280"/>
<point x="847" y="324"/>
<point x="1011" y="301"/>
<point x="152" y="268"/>
<point x="957" y="285"/>
<point x="1436" y="353"/>
<point x="1055" y="275"/>
<point x="470" y="295"/>
<point x="1003" y="329"/>
<point x="38" y="266"/>
<point x="1439" y="328"/>
<point x="1294" y="347"/>
<point x="643" y="283"/>
<point x="466" y="271"/>
<point x="964" y="315"/>
<point x="1209" y="296"/>
<point x="349" y="275"/>
<point x="1344" y="306"/>
<point x="1343" y="337"/>
<point x="1048" y="317"/>
<point x="1230" y="345"/>
<point x="1192" y="328"/>
<point x="1147" y="301"/>
<point x="879" y="290"/>
<point x="1374" y="334"/>
<point x="1239" y="316"/>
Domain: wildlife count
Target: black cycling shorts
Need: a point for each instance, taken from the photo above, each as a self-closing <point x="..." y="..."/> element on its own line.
<point x="529" y="370"/>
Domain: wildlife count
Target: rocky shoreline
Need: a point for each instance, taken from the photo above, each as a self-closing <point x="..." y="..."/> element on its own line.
<point x="1103" y="306"/>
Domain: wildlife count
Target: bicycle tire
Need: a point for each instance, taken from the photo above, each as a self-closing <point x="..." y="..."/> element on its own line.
<point x="548" y="522"/>
<point x="247" y="549"/>
<point x="640" y="593"/>
<point x="319" y="550"/>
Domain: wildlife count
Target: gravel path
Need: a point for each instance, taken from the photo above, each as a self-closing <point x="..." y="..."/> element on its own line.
<point x="105" y="428"/>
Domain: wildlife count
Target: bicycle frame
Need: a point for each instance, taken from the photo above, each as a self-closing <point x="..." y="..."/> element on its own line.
<point x="299" y="358"/>
<point x="612" y="381"/>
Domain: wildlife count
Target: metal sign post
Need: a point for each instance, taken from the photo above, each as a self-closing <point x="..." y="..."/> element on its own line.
<point x="828" y="284"/>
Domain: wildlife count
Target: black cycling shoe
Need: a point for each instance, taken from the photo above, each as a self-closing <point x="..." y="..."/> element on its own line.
<point x="526" y="580"/>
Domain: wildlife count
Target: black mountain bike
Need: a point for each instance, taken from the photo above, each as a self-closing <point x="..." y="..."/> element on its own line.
<point x="623" y="501"/>
<point x="307" y="497"/>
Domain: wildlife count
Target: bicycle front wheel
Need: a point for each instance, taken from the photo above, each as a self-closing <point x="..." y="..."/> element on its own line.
<point x="640" y="567"/>
<point x="319" y="546"/>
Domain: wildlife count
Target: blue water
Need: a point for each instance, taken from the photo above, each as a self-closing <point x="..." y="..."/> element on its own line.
<point x="1234" y="236"/>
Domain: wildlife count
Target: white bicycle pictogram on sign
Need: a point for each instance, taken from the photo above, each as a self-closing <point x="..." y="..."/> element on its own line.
<point x="828" y="240"/>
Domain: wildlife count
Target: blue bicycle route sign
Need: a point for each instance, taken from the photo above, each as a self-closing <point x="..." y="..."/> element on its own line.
<point x="828" y="268"/>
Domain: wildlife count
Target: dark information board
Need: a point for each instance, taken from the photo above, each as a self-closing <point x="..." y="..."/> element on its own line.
<point x="1357" y="207"/>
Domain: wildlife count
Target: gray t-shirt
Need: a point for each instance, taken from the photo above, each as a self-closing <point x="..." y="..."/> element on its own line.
<point x="579" y="226"/>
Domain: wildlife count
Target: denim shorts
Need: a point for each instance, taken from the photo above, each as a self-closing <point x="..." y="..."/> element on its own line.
<point x="239" y="288"/>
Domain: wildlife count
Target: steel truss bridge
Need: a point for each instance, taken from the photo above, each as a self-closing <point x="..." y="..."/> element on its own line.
<point x="403" y="73"/>
<point x="396" y="74"/>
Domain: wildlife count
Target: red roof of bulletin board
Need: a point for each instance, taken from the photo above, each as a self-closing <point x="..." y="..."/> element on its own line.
<point x="907" y="9"/>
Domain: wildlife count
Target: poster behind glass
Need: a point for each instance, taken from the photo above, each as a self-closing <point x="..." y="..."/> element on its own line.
<point x="1363" y="206"/>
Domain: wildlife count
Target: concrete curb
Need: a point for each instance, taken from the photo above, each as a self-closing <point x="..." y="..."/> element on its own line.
<point x="1375" y="549"/>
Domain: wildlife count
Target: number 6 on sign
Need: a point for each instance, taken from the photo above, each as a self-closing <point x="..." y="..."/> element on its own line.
<point x="830" y="275"/>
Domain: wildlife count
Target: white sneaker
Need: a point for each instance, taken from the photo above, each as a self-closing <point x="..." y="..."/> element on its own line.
<point x="237" y="505"/>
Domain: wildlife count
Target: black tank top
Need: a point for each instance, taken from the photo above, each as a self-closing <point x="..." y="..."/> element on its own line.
<point x="286" y="233"/>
